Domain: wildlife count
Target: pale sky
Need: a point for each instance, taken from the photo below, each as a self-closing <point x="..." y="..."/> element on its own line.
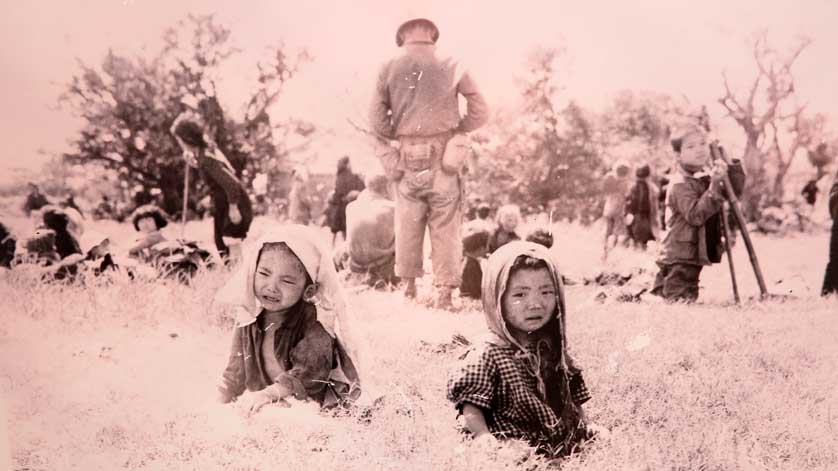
<point x="673" y="46"/>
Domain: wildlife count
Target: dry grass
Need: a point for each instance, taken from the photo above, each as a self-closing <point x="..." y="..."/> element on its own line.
<point x="121" y="376"/>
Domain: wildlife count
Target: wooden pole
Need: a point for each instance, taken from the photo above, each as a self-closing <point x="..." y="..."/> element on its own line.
<point x="730" y="256"/>
<point x="719" y="152"/>
<point x="185" y="199"/>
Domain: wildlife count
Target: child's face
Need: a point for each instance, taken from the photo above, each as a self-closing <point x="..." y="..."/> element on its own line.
<point x="279" y="280"/>
<point x="509" y="222"/>
<point x="147" y="225"/>
<point x="529" y="301"/>
<point x="694" y="151"/>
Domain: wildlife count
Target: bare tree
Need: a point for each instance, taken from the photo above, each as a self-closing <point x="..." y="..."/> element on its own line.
<point x="761" y="114"/>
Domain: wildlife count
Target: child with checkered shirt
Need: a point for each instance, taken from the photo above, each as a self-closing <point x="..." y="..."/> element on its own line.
<point x="520" y="382"/>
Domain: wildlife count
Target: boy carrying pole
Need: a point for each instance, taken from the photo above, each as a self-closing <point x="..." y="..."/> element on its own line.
<point x="694" y="204"/>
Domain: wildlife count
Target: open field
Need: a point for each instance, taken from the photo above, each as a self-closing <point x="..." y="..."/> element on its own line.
<point x="122" y="375"/>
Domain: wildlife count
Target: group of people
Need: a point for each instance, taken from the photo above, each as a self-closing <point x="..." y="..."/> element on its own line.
<point x="633" y="211"/>
<point x="294" y="330"/>
<point x="54" y="249"/>
<point x="294" y="341"/>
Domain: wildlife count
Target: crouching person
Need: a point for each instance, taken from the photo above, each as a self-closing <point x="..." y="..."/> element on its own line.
<point x="371" y="233"/>
<point x="521" y="383"/>
<point x="291" y="338"/>
<point x="694" y="201"/>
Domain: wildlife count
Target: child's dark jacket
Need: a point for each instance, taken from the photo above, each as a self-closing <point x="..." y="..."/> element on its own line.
<point x="303" y="349"/>
<point x="693" y="219"/>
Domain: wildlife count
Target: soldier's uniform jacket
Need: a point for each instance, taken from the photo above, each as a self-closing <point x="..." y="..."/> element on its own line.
<point x="416" y="95"/>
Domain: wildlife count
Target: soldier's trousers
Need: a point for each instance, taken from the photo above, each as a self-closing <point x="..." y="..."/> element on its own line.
<point x="431" y="198"/>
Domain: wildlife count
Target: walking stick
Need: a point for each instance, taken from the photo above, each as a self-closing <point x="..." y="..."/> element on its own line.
<point x="185" y="199"/>
<point x="719" y="152"/>
<point x="726" y="229"/>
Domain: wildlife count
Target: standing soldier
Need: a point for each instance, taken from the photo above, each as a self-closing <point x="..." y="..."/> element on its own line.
<point x="416" y="103"/>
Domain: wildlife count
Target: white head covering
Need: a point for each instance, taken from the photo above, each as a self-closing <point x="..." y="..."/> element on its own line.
<point x="329" y="298"/>
<point x="495" y="279"/>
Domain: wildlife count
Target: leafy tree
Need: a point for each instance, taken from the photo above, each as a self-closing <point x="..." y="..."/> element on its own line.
<point x="543" y="155"/>
<point x="637" y="127"/>
<point x="129" y="104"/>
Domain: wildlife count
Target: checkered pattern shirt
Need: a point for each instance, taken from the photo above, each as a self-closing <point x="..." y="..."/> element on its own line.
<point x="498" y="381"/>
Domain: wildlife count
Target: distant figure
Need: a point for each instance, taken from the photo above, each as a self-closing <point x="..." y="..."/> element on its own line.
<point x="300" y="207"/>
<point x="541" y="237"/>
<point x="345" y="183"/>
<point x="481" y="222"/>
<point x="66" y="238"/>
<point x="142" y="197"/>
<point x="147" y="220"/>
<point x="810" y="192"/>
<point x="371" y="233"/>
<point x="8" y="244"/>
<point x="55" y="244"/>
<point x="615" y="187"/>
<point x="475" y="249"/>
<point x="232" y="210"/>
<point x="176" y="258"/>
<point x="70" y="203"/>
<point x="508" y="218"/>
<point x="830" y="279"/>
<point x="641" y="209"/>
<point x="104" y="210"/>
<point x="416" y="101"/>
<point x="35" y="200"/>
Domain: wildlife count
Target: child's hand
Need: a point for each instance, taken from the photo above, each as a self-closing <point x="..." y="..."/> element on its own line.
<point x="224" y="396"/>
<point x="485" y="441"/>
<point x="190" y="158"/>
<point x="259" y="400"/>
<point x="719" y="171"/>
<point x="235" y="215"/>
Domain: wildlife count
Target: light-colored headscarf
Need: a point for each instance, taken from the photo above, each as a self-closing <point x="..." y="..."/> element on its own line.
<point x="495" y="279"/>
<point x="329" y="298"/>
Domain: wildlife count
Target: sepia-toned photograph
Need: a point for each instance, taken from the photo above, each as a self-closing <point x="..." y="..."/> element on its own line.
<point x="418" y="235"/>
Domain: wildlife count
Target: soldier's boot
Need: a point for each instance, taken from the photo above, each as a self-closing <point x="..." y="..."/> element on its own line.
<point x="443" y="301"/>
<point x="410" y="290"/>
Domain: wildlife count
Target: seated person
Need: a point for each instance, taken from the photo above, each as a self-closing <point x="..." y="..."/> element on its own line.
<point x="35" y="200"/>
<point x="290" y="340"/>
<point x="371" y="234"/>
<point x="475" y="249"/>
<point x="42" y="250"/>
<point x="175" y="258"/>
<point x="508" y="218"/>
<point x="148" y="220"/>
<point x="541" y="237"/>
<point x="7" y="247"/>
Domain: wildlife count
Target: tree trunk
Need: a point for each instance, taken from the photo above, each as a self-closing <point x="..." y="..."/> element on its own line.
<point x="754" y="163"/>
<point x="779" y="189"/>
